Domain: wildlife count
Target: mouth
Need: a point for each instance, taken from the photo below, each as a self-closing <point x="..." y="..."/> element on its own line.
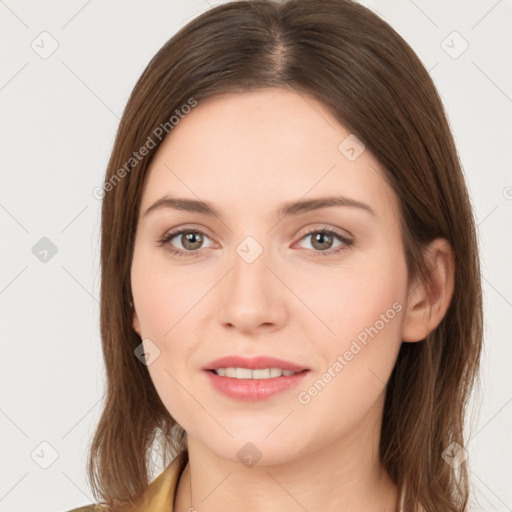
<point x="247" y="373"/>
<point x="244" y="364"/>
<point x="254" y="379"/>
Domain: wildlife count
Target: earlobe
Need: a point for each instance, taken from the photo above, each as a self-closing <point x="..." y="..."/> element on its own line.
<point x="427" y="303"/>
<point x="135" y="322"/>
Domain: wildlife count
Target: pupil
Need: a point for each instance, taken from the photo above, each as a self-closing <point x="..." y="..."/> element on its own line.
<point x="320" y="237"/>
<point x="190" y="238"/>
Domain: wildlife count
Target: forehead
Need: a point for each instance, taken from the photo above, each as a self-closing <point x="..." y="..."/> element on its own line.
<point x="250" y="150"/>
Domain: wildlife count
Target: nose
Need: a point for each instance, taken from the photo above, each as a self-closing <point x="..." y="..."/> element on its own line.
<point x="252" y="297"/>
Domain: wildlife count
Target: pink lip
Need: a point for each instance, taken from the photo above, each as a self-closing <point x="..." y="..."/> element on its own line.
<point x="253" y="363"/>
<point x="253" y="390"/>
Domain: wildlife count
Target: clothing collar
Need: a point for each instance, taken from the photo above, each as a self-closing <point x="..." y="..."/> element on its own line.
<point x="161" y="492"/>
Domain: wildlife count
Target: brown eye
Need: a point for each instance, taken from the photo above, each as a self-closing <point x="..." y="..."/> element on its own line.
<point x="191" y="240"/>
<point x="322" y="240"/>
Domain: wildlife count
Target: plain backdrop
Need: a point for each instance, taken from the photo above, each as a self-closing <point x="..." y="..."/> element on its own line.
<point x="67" y="69"/>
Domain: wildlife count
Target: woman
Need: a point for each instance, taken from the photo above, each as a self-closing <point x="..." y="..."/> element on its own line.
<point x="291" y="306"/>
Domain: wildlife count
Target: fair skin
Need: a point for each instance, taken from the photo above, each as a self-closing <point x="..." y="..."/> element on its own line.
<point x="247" y="154"/>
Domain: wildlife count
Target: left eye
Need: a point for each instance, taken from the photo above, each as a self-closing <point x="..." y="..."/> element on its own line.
<point x="324" y="237"/>
<point x="192" y="239"/>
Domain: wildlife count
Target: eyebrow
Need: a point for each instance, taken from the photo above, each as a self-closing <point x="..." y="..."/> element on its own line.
<point x="288" y="209"/>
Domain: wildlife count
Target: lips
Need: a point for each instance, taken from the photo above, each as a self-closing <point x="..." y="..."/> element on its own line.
<point x="253" y="389"/>
<point x="254" y="363"/>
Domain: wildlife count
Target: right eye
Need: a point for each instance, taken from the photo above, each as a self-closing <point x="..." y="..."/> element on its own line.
<point x="186" y="236"/>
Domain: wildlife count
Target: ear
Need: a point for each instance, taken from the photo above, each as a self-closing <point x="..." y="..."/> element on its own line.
<point x="135" y="321"/>
<point x="427" y="304"/>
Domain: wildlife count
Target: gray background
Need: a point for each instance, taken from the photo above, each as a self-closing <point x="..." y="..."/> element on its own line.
<point x="59" y="117"/>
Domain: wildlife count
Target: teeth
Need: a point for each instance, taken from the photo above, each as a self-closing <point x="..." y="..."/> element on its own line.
<point x="246" y="373"/>
<point x="243" y="373"/>
<point x="275" y="372"/>
<point x="230" y="372"/>
<point x="262" y="374"/>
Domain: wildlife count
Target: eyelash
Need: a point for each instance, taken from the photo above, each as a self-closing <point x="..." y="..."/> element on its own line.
<point x="346" y="243"/>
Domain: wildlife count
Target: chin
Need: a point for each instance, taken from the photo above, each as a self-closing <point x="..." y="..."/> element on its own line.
<point x="253" y="450"/>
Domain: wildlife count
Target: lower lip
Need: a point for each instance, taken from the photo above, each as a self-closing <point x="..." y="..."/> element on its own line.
<point x="254" y="390"/>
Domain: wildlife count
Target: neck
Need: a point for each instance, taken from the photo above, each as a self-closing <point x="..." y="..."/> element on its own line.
<point x="344" y="476"/>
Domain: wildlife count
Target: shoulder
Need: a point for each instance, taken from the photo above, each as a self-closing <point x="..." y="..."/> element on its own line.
<point x="160" y="493"/>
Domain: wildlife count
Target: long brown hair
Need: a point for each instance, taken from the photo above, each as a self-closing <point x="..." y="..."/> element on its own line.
<point x="346" y="57"/>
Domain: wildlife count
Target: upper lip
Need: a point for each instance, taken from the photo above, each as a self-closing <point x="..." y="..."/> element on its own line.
<point x="253" y="363"/>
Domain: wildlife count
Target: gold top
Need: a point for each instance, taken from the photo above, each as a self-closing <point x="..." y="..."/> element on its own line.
<point x="161" y="491"/>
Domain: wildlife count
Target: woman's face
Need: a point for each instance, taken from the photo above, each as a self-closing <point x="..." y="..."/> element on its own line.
<point x="257" y="284"/>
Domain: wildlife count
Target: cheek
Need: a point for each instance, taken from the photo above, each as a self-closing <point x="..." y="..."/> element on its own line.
<point x="346" y="300"/>
<point x="167" y="301"/>
<point x="363" y="309"/>
<point x="163" y="293"/>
